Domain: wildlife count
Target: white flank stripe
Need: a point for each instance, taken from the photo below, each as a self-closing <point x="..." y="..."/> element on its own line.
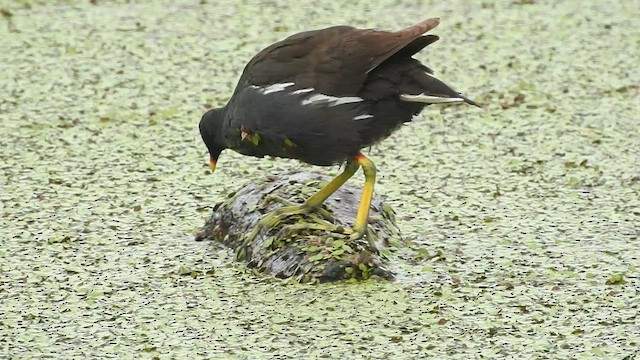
<point x="316" y="98"/>
<point x="363" y="116"/>
<point x="348" y="100"/>
<point x="276" y="87"/>
<point x="332" y="100"/>
<point x="302" y="91"/>
<point x="428" y="99"/>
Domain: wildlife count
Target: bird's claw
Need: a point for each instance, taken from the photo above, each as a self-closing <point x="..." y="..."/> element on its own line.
<point x="272" y="219"/>
<point x="319" y="225"/>
<point x="321" y="219"/>
<point x="271" y="198"/>
<point x="361" y="235"/>
<point x="290" y="204"/>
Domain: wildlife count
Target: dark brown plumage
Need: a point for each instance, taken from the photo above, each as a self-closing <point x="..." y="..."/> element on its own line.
<point x="321" y="96"/>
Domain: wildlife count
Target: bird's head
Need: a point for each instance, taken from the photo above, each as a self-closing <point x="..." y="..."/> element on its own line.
<point x="211" y="130"/>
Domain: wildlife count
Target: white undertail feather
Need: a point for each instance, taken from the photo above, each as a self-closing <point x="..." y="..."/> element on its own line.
<point x="430" y="99"/>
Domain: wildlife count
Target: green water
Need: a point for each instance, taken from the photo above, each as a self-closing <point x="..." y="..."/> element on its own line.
<point x="518" y="214"/>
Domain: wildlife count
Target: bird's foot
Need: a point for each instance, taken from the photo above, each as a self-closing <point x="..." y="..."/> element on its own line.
<point x="317" y="224"/>
<point x="290" y="204"/>
<point x="321" y="219"/>
<point x="272" y="219"/>
<point x="364" y="236"/>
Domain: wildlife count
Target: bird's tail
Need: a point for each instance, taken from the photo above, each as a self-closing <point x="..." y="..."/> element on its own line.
<point x="435" y="91"/>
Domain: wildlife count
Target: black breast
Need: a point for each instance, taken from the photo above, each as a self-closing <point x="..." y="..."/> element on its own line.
<point x="284" y="121"/>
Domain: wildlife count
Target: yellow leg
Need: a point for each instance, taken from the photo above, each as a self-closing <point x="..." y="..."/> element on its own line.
<point x="362" y="218"/>
<point x="273" y="218"/>
<point x="360" y="226"/>
<point x="323" y="194"/>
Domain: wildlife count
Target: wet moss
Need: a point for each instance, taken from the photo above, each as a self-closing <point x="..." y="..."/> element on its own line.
<point x="301" y="247"/>
<point x="98" y="113"/>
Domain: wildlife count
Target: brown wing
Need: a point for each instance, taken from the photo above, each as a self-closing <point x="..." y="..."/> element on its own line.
<point x="334" y="61"/>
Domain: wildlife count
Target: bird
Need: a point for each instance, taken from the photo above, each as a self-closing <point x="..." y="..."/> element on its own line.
<point x="321" y="96"/>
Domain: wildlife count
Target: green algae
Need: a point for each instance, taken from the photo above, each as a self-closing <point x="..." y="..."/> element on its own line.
<point x="312" y="247"/>
<point x="104" y="180"/>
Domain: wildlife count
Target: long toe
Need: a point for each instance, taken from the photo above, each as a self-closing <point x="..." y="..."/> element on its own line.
<point x="318" y="225"/>
<point x="326" y="214"/>
<point x="365" y="237"/>
<point x="271" y="219"/>
<point x="357" y="234"/>
<point x="275" y="198"/>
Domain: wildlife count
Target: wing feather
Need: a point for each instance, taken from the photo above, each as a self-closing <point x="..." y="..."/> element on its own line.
<point x="334" y="61"/>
